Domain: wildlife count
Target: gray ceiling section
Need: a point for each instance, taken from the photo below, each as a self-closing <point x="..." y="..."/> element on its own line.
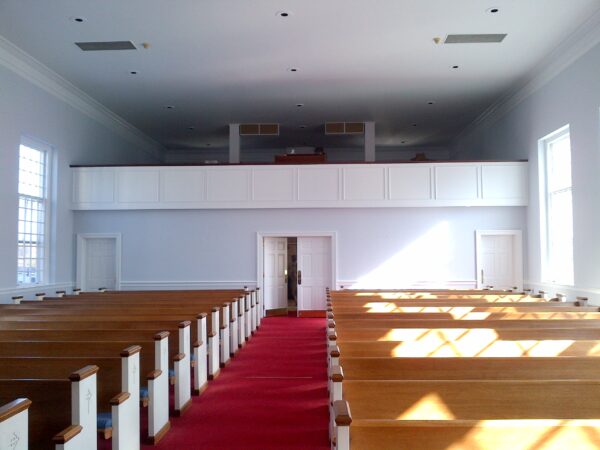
<point x="228" y="61"/>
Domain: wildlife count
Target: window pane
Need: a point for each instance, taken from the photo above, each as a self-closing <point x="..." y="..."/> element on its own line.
<point x="559" y="164"/>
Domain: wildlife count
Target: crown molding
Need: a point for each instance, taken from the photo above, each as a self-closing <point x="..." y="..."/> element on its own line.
<point x="583" y="39"/>
<point x="29" y="68"/>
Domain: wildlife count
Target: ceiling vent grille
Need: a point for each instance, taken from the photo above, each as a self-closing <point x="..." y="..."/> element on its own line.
<point x="105" y="46"/>
<point x="344" y="128"/>
<point x="259" y="129"/>
<point x="474" y="38"/>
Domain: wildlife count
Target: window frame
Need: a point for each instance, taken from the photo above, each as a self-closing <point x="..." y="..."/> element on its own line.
<point x="47" y="151"/>
<point x="545" y="195"/>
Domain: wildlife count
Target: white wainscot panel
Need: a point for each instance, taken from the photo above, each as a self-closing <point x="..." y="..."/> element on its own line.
<point x="318" y="184"/>
<point x="95" y="185"/>
<point x="504" y="182"/>
<point x="364" y="183"/>
<point x="456" y="182"/>
<point x="228" y="185"/>
<point x="273" y="185"/>
<point x="410" y="182"/>
<point x="182" y="185"/>
<point x="137" y="185"/>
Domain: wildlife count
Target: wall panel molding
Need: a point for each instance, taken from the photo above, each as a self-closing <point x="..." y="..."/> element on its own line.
<point x="301" y="186"/>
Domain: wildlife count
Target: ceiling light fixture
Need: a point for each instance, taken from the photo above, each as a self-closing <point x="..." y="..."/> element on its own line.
<point x="299" y="105"/>
<point x="283" y="14"/>
<point x="293" y="69"/>
<point x="414" y="124"/>
<point x="492" y="10"/>
<point x="302" y="127"/>
<point x="431" y="102"/>
<point x="191" y="128"/>
<point x="454" y="67"/>
<point x="169" y="107"/>
<point x="77" y="19"/>
<point x="133" y="72"/>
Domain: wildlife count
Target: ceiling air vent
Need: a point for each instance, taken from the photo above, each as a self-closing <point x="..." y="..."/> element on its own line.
<point x="105" y="46"/>
<point x="474" y="38"/>
<point x="259" y="129"/>
<point x="344" y="128"/>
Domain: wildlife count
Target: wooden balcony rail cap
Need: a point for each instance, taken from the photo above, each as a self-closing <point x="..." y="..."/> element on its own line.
<point x="185" y="323"/>
<point x="84" y="373"/>
<point x="13" y="408"/>
<point x="119" y="398"/>
<point x="201" y="316"/>
<point x="154" y="374"/>
<point x="161" y="335"/>
<point x="178" y="356"/>
<point x="67" y="434"/>
<point x="341" y="412"/>
<point x="129" y="351"/>
<point x="335" y="352"/>
<point x="197" y="344"/>
<point x="337" y="374"/>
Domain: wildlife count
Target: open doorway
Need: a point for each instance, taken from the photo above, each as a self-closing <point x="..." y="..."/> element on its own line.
<point x="295" y="272"/>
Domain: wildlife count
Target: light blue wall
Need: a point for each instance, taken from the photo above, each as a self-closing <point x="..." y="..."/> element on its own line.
<point x="220" y="245"/>
<point x="26" y="109"/>
<point x="572" y="97"/>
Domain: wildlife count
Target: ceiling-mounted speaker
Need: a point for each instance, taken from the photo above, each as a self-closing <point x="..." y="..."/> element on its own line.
<point x="474" y="38"/>
<point x="344" y="128"/>
<point x="105" y="46"/>
<point x="259" y="129"/>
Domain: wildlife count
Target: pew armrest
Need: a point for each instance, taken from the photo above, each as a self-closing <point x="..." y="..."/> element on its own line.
<point x="341" y="412"/>
<point x="119" y="398"/>
<point x="337" y="374"/>
<point x="67" y="434"/>
<point x="13" y="408"/>
<point x="335" y="352"/>
<point x="178" y="357"/>
<point x="154" y="374"/>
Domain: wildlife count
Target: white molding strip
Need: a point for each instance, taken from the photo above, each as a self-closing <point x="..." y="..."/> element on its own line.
<point x="29" y="68"/>
<point x="181" y="285"/>
<point x="583" y="39"/>
<point x="593" y="294"/>
<point x="28" y="292"/>
<point x="445" y="284"/>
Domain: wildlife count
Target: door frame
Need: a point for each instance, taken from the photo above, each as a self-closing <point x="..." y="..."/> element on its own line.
<point x="517" y="253"/>
<point x="82" y="239"/>
<point x="260" y="251"/>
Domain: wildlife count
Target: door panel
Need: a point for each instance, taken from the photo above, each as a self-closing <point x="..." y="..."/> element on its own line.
<point x="275" y="263"/>
<point x="497" y="261"/>
<point x="100" y="263"/>
<point x="314" y="263"/>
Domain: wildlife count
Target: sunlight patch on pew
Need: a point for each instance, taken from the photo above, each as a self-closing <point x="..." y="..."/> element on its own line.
<point x="430" y="407"/>
<point x="429" y="258"/>
<point x="533" y="434"/>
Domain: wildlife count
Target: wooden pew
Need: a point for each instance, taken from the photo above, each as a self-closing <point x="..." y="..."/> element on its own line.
<point x="68" y="401"/>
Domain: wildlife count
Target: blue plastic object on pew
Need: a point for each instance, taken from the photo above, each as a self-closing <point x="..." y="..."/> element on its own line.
<point x="171" y="372"/>
<point x="104" y="421"/>
<point x="143" y="392"/>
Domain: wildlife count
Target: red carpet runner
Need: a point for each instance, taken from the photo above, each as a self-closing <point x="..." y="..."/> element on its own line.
<point x="272" y="395"/>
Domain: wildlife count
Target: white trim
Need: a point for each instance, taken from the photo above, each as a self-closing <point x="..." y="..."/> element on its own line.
<point x="576" y="45"/>
<point x="29" y="68"/>
<point x="517" y="255"/>
<point x="81" y="256"/>
<point x="424" y="284"/>
<point x="182" y="285"/>
<point x="260" y="250"/>
<point x="30" y="290"/>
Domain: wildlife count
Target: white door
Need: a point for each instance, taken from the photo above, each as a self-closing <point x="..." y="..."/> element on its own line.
<point x="314" y="272"/>
<point x="275" y="265"/>
<point x="499" y="262"/>
<point x="98" y="263"/>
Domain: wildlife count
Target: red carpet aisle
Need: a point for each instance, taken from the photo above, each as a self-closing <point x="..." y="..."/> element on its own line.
<point x="272" y="395"/>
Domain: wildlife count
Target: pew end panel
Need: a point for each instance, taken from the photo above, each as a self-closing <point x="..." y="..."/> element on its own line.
<point x="14" y="424"/>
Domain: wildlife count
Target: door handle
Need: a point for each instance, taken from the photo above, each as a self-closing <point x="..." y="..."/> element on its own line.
<point x="299" y="277"/>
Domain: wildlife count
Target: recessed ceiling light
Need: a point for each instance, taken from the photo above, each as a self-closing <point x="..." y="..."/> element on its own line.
<point x="208" y="144"/>
<point x="414" y="124"/>
<point x="431" y="102"/>
<point x="303" y="126"/>
<point x="77" y="19"/>
<point x="454" y="67"/>
<point x="169" y="107"/>
<point x="403" y="142"/>
<point x="133" y="72"/>
<point x="299" y="105"/>
<point x="283" y="13"/>
<point x="293" y="69"/>
<point x="191" y="128"/>
<point x="492" y="10"/>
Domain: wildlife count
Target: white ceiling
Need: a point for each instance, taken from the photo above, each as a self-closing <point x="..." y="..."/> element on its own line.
<point x="222" y="61"/>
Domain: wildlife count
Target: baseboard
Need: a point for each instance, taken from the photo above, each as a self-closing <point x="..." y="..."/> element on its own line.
<point x="28" y="292"/>
<point x="181" y="285"/>
<point x="312" y="313"/>
<point x="424" y="284"/>
<point x="277" y="312"/>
